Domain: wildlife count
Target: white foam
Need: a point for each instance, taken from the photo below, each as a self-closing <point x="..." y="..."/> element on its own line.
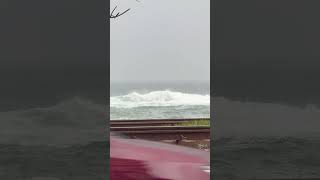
<point x="159" y="98"/>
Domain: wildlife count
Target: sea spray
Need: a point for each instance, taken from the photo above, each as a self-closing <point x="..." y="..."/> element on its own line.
<point x="159" y="99"/>
<point x="159" y="104"/>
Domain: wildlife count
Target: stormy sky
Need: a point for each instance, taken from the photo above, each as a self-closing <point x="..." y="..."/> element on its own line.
<point x="267" y="50"/>
<point x="162" y="40"/>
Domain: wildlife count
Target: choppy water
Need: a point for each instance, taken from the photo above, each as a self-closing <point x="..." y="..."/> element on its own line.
<point x="161" y="100"/>
<point x="77" y="162"/>
<point x="252" y="140"/>
<point x="266" y="157"/>
<point x="68" y="139"/>
<point x="265" y="141"/>
<point x="65" y="141"/>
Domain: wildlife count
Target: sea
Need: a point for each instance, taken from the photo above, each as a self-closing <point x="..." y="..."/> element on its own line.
<point x="255" y="140"/>
<point x="159" y="100"/>
<point x="64" y="141"/>
<point x="64" y="137"/>
<point x="251" y="140"/>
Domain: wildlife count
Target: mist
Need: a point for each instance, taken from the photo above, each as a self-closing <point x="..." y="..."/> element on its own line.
<point x="161" y="41"/>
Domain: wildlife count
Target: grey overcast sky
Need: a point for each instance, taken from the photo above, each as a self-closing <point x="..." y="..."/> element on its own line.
<point x="161" y="40"/>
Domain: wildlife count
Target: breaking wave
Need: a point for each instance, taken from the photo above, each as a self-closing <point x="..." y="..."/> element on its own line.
<point x="159" y="98"/>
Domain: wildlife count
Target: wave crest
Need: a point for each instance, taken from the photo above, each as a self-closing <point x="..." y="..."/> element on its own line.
<point x="159" y="98"/>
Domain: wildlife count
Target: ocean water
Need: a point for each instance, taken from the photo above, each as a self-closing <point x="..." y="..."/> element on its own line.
<point x="64" y="141"/>
<point x="159" y="100"/>
<point x="265" y="141"/>
<point x="287" y="157"/>
<point x="65" y="138"/>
